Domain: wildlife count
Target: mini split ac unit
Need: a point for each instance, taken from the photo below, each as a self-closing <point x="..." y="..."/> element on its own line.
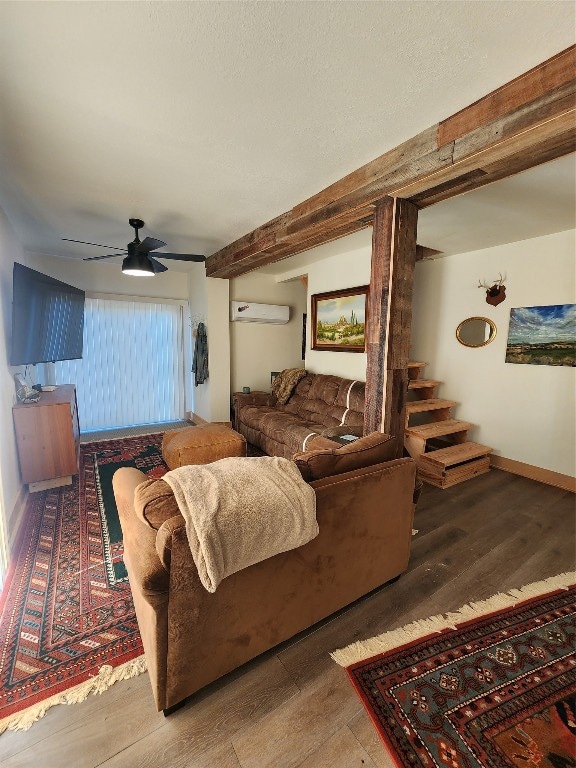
<point x="248" y="312"/>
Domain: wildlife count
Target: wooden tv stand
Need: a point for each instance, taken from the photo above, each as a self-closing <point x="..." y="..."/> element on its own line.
<point x="48" y="438"/>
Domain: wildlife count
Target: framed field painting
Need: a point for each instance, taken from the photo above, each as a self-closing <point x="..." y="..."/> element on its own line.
<point x="339" y="320"/>
<point x="542" y="335"/>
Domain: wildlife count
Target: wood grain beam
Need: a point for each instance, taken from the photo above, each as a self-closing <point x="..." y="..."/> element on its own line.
<point x="537" y="82"/>
<point x="390" y="317"/>
<point x="528" y="121"/>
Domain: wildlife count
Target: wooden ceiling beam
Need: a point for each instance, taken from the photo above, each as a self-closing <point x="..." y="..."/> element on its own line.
<point x="537" y="82"/>
<point x="528" y="121"/>
<point x="290" y="249"/>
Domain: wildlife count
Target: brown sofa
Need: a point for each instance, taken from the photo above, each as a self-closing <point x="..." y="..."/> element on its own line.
<point x="319" y="405"/>
<point x="192" y="637"/>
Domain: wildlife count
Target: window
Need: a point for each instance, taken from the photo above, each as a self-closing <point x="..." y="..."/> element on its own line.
<point x="132" y="368"/>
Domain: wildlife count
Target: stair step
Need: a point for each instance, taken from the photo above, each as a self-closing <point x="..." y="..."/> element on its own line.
<point x="439" y="428"/>
<point x="433" y="404"/>
<point x="422" y="383"/>
<point x="414" y="369"/>
<point x="459" y="474"/>
<point x="454" y="454"/>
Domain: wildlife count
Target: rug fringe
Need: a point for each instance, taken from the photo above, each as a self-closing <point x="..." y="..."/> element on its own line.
<point x="364" y="649"/>
<point x="106" y="677"/>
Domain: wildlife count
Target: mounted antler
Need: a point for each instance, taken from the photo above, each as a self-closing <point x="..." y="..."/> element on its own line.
<point x="495" y="293"/>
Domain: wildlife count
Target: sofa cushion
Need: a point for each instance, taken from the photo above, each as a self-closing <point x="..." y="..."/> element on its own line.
<point x="154" y="503"/>
<point x="328" y="400"/>
<point x="281" y="426"/>
<point x="364" y="452"/>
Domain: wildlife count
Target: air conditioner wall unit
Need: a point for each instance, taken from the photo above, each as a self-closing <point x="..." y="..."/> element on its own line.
<point x="249" y="312"/>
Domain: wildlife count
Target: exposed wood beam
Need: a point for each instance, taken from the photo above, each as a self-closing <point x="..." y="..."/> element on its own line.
<point x="426" y="253"/>
<point x="390" y="317"/>
<point x="528" y="121"/>
<point x="537" y="82"/>
<point x="277" y="244"/>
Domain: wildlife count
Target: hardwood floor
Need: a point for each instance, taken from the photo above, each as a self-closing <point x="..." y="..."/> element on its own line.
<point x="293" y="707"/>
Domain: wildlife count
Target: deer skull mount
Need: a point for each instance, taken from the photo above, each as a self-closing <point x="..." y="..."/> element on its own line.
<point x="495" y="294"/>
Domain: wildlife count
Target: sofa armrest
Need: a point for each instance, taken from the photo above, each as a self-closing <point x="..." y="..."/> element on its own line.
<point x="146" y="572"/>
<point x="239" y="400"/>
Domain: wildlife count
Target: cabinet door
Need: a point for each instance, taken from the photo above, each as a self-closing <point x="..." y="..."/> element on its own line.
<point x="46" y="444"/>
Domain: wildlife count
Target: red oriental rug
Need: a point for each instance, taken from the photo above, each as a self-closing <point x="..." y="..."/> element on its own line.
<point x="67" y="621"/>
<point x="491" y="686"/>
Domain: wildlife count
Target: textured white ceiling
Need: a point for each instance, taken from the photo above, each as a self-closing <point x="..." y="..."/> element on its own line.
<point x="207" y="119"/>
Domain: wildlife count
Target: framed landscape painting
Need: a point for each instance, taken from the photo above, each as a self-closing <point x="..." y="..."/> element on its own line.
<point x="542" y="335"/>
<point x="339" y="320"/>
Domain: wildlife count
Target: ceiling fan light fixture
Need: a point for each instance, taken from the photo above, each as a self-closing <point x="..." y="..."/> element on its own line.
<point x="137" y="265"/>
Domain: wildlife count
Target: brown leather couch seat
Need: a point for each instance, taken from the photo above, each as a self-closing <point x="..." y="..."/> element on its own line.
<point x="319" y="403"/>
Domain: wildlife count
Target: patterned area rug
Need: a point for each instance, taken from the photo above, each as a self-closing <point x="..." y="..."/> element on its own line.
<point x="491" y="686"/>
<point x="67" y="621"/>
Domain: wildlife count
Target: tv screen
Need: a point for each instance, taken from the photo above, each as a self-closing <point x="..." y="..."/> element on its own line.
<point x="47" y="318"/>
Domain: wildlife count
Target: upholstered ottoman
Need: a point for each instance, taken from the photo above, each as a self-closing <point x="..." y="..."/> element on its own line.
<point x="201" y="445"/>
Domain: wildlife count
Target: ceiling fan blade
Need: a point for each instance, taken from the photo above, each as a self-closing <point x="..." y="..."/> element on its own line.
<point x="109" y="256"/>
<point x="156" y="266"/>
<point x="149" y="244"/>
<point x="182" y="256"/>
<point x="98" y="245"/>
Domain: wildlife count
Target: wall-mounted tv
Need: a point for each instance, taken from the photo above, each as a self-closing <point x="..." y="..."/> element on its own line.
<point x="47" y="318"/>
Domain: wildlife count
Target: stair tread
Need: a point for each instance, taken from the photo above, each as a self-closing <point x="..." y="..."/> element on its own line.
<point x="452" y="477"/>
<point x="439" y="428"/>
<point x="455" y="454"/>
<point x="417" y="383"/>
<point x="414" y="364"/>
<point x="432" y="404"/>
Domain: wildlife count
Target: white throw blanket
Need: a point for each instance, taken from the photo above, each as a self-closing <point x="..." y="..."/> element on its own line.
<point x="239" y="511"/>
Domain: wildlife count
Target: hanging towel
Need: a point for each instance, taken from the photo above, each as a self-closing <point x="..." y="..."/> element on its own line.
<point x="200" y="362"/>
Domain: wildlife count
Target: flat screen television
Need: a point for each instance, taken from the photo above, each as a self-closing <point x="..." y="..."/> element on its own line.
<point x="47" y="318"/>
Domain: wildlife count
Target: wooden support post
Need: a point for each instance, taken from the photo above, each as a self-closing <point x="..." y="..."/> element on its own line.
<point x="390" y="316"/>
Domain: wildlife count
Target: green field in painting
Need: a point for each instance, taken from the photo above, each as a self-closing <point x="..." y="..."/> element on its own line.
<point x="552" y="353"/>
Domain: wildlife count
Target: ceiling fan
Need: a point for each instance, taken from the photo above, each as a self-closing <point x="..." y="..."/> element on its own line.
<point x="138" y="260"/>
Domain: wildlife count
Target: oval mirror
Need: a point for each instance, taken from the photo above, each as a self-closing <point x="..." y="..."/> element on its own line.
<point x="476" y="331"/>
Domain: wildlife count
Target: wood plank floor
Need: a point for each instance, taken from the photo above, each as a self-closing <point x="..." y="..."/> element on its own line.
<point x="293" y="707"/>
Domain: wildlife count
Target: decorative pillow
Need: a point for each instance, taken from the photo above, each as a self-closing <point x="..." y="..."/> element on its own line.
<point x="285" y="382"/>
<point x="364" y="452"/>
<point x="154" y="503"/>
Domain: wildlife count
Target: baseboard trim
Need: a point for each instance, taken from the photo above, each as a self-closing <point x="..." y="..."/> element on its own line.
<point x="195" y="419"/>
<point x="15" y="519"/>
<point x="547" y="476"/>
<point x="198" y="420"/>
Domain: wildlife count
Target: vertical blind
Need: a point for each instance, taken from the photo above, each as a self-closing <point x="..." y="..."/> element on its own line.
<point x="132" y="368"/>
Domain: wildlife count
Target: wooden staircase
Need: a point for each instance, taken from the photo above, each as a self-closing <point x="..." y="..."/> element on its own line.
<point x="438" y="442"/>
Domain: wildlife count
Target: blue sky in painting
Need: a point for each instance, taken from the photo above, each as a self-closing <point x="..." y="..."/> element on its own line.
<point x="533" y="325"/>
<point x="331" y="310"/>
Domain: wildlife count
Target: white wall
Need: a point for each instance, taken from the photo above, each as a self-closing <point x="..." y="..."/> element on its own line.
<point x="10" y="251"/>
<point x="259" y="348"/>
<point x="209" y="299"/>
<point x="524" y="412"/>
<point x="343" y="263"/>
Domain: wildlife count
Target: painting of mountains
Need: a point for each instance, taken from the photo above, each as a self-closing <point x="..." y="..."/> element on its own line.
<point x="542" y="335"/>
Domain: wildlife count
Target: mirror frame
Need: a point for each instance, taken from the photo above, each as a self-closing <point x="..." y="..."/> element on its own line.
<point x="491" y="338"/>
